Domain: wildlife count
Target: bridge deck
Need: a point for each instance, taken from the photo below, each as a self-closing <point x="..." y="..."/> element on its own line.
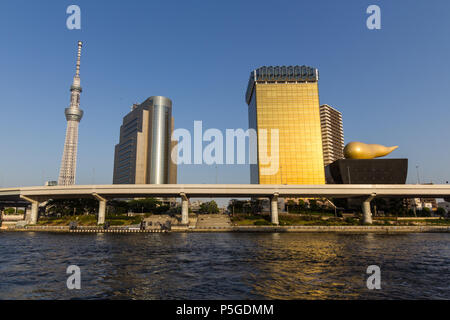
<point x="223" y="190"/>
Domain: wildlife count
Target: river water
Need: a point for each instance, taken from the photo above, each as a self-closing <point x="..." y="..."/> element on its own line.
<point x="224" y="265"/>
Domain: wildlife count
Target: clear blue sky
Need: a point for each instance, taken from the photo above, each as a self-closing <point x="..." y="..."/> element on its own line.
<point x="392" y="85"/>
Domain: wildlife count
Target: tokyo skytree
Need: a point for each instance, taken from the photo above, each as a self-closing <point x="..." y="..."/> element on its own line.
<point x="73" y="116"/>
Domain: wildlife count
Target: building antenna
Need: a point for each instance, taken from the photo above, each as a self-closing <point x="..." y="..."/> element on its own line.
<point x="77" y="72"/>
<point x="418" y="178"/>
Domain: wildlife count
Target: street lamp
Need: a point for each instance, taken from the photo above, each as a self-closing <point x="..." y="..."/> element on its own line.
<point x="418" y="178"/>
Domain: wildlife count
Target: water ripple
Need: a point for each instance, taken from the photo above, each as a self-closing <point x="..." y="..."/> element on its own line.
<point x="224" y="266"/>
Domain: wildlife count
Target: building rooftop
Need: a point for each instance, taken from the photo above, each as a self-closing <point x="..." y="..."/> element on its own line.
<point x="330" y="107"/>
<point x="280" y="74"/>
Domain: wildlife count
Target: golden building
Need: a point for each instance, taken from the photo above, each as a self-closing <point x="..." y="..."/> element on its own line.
<point x="286" y="99"/>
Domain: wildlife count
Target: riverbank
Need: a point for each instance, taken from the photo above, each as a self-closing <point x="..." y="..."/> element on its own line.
<point x="267" y="229"/>
<point x="235" y="223"/>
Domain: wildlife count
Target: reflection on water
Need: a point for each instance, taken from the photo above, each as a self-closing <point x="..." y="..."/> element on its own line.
<point x="224" y="266"/>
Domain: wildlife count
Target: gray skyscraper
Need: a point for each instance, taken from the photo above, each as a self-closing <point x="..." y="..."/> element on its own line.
<point x="143" y="155"/>
<point x="332" y="134"/>
<point x="73" y="116"/>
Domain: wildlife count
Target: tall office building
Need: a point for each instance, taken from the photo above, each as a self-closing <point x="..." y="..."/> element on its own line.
<point x="73" y="116"/>
<point x="332" y="134"/>
<point x="287" y="98"/>
<point x="143" y="155"/>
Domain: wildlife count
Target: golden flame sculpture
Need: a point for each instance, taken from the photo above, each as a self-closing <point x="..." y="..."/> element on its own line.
<point x="360" y="150"/>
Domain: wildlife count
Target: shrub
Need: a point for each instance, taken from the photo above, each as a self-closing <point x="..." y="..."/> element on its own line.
<point x="441" y="212"/>
<point x="262" y="223"/>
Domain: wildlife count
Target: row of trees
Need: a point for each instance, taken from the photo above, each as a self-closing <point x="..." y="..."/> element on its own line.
<point x="390" y="207"/>
<point x="85" y="206"/>
<point x="303" y="207"/>
<point x="386" y="206"/>
<point x="399" y="207"/>
<point x="147" y="205"/>
<point x="396" y="207"/>
<point x="13" y="211"/>
<point x="71" y="206"/>
<point x="255" y="206"/>
<point x="244" y="206"/>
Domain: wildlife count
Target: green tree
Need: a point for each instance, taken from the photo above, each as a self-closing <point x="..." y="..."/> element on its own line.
<point x="209" y="207"/>
<point x="314" y="206"/>
<point x="302" y="206"/>
<point x="441" y="212"/>
<point x="381" y="204"/>
<point x="118" y="207"/>
<point x="397" y="207"/>
<point x="236" y="206"/>
<point x="291" y="206"/>
<point x="147" y="205"/>
<point x="162" y="209"/>
<point x="425" y="212"/>
<point x="256" y="206"/>
<point x="9" y="211"/>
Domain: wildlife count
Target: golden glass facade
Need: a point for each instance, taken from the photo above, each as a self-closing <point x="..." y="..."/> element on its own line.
<point x="293" y="109"/>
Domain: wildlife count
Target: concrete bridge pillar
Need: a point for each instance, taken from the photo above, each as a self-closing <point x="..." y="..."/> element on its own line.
<point x="367" y="214"/>
<point x="101" y="208"/>
<point x="34" y="209"/>
<point x="274" y="209"/>
<point x="34" y="212"/>
<point x="184" y="209"/>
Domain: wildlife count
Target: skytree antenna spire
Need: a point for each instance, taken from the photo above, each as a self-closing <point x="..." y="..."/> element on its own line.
<point x="77" y="72"/>
<point x="73" y="117"/>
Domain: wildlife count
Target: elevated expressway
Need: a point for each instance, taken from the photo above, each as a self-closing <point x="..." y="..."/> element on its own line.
<point x="103" y="193"/>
